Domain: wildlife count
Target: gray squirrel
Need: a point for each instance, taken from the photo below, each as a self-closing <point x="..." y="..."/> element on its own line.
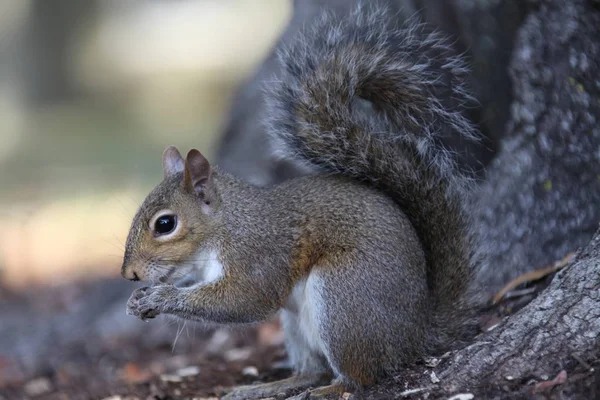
<point x="370" y="260"/>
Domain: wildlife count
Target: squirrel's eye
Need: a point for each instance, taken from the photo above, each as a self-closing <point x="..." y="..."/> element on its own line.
<point x="165" y="224"/>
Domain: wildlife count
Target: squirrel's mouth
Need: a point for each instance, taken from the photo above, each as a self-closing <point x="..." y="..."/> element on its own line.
<point x="178" y="276"/>
<point x="167" y="277"/>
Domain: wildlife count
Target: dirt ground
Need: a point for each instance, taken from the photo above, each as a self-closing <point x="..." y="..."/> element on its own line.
<point x="75" y="342"/>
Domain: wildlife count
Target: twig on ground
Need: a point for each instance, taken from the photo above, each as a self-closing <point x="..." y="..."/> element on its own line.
<point x="531" y="277"/>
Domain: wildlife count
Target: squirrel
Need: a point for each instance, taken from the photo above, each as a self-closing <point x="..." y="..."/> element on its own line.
<point x="370" y="259"/>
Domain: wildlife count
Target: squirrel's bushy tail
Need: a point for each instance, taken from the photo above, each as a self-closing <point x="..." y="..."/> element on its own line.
<point x="413" y="84"/>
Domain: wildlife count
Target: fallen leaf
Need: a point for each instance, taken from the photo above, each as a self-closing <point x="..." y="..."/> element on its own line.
<point x="132" y="373"/>
<point x="238" y="354"/>
<point x="171" y="378"/>
<point x="547" y="385"/>
<point x="270" y="335"/>
<point x="192" y="370"/>
<point x="250" y="371"/>
<point x="38" y="386"/>
<point x="488" y="324"/>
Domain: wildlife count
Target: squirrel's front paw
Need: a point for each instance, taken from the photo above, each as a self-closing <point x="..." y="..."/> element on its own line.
<point x="148" y="302"/>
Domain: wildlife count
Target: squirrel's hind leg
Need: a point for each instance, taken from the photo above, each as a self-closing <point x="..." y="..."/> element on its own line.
<point x="311" y="369"/>
<point x="368" y="329"/>
<point x="304" y="359"/>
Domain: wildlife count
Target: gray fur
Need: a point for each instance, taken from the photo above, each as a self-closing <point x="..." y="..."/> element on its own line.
<point x="370" y="260"/>
<point x="408" y="74"/>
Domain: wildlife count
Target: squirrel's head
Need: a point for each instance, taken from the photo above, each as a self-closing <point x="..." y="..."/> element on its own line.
<point x="175" y="221"/>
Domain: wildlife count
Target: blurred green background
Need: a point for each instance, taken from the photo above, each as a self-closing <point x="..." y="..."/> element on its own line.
<point x="91" y="92"/>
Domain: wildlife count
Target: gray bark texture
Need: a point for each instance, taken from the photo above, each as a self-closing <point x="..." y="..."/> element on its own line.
<point x="541" y="194"/>
<point x="542" y="339"/>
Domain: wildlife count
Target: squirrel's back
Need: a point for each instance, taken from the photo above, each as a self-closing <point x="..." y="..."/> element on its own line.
<point x="366" y="98"/>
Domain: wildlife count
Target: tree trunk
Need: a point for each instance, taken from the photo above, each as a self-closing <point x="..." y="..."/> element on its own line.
<point x="559" y="330"/>
<point x="541" y="200"/>
<point x="44" y="56"/>
<point x="541" y="194"/>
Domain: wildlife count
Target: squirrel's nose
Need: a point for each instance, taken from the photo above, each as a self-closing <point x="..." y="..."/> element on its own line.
<point x="129" y="274"/>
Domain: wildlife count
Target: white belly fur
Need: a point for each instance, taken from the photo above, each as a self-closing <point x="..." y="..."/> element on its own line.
<point x="304" y="303"/>
<point x="208" y="264"/>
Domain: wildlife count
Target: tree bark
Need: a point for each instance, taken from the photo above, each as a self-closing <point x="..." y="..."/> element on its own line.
<point x="543" y="338"/>
<point x="540" y="197"/>
<point x="558" y="331"/>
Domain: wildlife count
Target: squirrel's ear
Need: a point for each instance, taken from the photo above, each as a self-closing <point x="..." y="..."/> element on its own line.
<point x="172" y="162"/>
<point x="198" y="175"/>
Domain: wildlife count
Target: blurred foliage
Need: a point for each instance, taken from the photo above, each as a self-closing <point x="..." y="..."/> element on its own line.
<point x="90" y="94"/>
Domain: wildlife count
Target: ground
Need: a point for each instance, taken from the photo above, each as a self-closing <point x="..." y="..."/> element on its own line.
<point x="75" y="342"/>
